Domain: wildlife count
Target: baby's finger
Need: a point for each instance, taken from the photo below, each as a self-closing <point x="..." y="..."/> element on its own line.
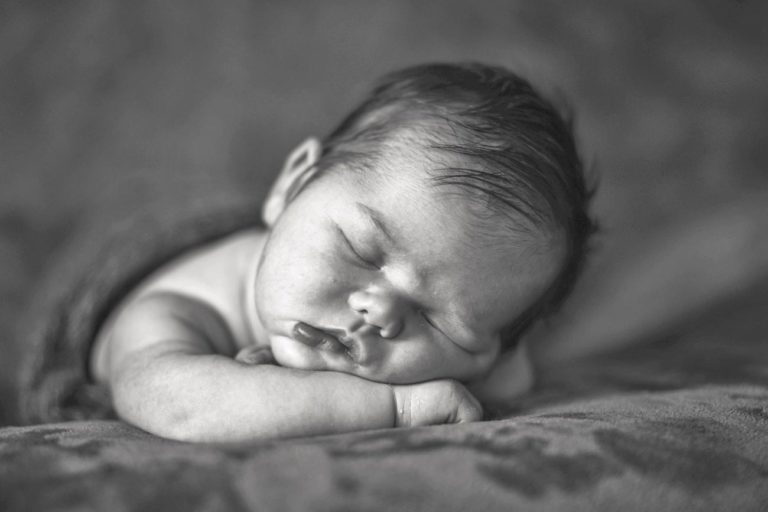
<point x="255" y="355"/>
<point x="469" y="410"/>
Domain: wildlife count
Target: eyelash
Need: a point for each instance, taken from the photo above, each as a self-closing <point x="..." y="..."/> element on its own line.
<point x="428" y="320"/>
<point x="351" y="248"/>
<point x="434" y="325"/>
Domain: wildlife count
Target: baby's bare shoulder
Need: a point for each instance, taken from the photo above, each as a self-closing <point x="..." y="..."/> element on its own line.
<point x="191" y="304"/>
<point x="173" y="319"/>
<point x="211" y="273"/>
<point x="160" y="322"/>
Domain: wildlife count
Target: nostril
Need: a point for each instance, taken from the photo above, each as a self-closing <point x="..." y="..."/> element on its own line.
<point x="359" y="302"/>
<point x="381" y="311"/>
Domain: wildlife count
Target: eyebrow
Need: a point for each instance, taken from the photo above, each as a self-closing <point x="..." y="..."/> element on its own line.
<point x="376" y="218"/>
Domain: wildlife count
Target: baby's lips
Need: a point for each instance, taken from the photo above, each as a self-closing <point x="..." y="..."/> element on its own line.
<point x="316" y="338"/>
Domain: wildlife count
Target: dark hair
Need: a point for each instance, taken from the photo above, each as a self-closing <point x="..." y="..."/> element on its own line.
<point x="530" y="168"/>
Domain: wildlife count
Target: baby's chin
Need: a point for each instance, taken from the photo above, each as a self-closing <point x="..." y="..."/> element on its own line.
<point x="293" y="354"/>
<point x="290" y="353"/>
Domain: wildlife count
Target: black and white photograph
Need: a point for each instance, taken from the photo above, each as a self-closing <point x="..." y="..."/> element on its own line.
<point x="340" y="255"/>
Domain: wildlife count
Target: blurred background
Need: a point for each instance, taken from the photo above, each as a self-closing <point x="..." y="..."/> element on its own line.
<point x="105" y="101"/>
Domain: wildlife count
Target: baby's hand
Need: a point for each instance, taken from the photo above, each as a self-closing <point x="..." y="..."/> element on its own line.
<point x="256" y="355"/>
<point x="435" y="402"/>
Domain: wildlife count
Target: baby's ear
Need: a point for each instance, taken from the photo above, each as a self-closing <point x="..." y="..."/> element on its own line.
<point x="299" y="167"/>
<point x="510" y="377"/>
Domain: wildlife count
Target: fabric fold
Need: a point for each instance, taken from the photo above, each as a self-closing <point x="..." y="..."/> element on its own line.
<point x="102" y="262"/>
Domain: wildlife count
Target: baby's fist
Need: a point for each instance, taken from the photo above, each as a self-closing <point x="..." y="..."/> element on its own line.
<point x="255" y="355"/>
<point x="434" y="403"/>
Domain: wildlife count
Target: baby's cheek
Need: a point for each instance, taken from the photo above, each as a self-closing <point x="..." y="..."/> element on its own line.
<point x="300" y="289"/>
<point x="409" y="365"/>
<point x="292" y="354"/>
<point x="326" y="283"/>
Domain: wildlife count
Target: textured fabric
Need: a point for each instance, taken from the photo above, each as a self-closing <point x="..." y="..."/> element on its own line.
<point x="699" y="449"/>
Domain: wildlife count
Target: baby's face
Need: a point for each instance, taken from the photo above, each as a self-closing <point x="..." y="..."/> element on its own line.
<point x="382" y="275"/>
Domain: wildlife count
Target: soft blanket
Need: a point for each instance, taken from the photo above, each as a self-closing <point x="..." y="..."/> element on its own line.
<point x="699" y="449"/>
<point x="101" y="266"/>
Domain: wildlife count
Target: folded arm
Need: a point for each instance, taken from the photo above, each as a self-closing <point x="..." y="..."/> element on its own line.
<point x="167" y="378"/>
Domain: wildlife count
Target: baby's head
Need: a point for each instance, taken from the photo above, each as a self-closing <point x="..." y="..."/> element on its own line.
<point x="420" y="240"/>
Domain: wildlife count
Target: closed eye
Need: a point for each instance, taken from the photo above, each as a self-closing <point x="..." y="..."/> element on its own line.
<point x="428" y="320"/>
<point x="433" y="325"/>
<point x="351" y="248"/>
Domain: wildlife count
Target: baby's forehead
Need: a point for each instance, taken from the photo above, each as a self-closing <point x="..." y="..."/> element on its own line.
<point x="453" y="228"/>
<point x="418" y="161"/>
<point x="440" y="179"/>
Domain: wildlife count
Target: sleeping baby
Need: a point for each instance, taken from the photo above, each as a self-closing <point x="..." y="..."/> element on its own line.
<point x="400" y="263"/>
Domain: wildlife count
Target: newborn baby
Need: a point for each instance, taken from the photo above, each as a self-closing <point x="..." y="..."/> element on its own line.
<point x="401" y="261"/>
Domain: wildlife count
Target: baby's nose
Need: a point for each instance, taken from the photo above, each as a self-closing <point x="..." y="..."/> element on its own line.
<point x="380" y="309"/>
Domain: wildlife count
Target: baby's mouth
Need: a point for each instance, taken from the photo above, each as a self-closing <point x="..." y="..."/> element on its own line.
<point x="318" y="338"/>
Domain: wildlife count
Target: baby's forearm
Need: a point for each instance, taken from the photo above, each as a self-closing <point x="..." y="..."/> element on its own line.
<point x="214" y="398"/>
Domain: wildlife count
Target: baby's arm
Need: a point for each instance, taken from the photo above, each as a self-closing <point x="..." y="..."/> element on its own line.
<point x="166" y="378"/>
<point x="425" y="403"/>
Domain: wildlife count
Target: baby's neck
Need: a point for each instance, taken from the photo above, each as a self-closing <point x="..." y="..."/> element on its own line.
<point x="251" y="257"/>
